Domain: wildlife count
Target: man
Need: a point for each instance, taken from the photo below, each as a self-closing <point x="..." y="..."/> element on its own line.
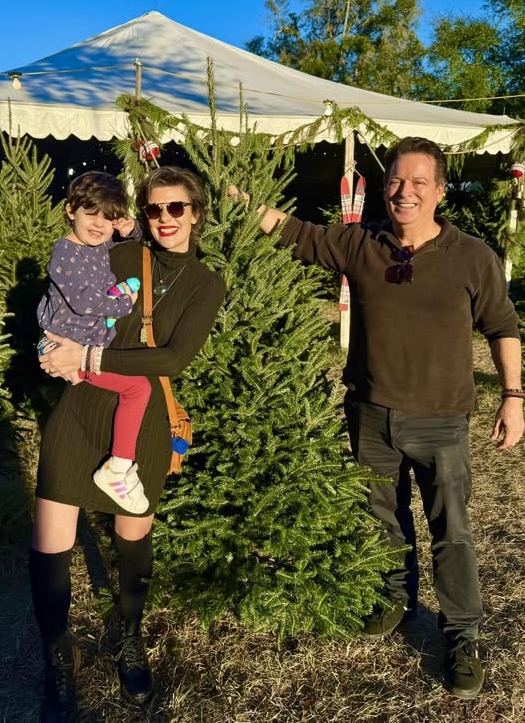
<point x="418" y="285"/>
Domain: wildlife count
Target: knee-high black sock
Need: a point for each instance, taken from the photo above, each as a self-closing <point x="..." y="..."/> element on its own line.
<point x="135" y="567"/>
<point x="51" y="592"/>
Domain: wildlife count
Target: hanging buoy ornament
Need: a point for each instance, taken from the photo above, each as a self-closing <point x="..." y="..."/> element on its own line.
<point x="148" y="151"/>
<point x="517" y="172"/>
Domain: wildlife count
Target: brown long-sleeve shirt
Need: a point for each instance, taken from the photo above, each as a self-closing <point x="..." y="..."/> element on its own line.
<point x="411" y="343"/>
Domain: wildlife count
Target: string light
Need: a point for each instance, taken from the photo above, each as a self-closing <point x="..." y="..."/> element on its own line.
<point x="73" y="169"/>
<point x="328" y="107"/>
<point x="16" y="80"/>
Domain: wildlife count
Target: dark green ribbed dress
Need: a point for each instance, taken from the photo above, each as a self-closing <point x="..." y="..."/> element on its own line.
<point x="77" y="436"/>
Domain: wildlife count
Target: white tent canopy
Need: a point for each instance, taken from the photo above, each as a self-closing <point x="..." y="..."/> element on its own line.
<point x="73" y="92"/>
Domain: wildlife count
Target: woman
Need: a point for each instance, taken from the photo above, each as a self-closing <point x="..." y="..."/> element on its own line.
<point x="187" y="296"/>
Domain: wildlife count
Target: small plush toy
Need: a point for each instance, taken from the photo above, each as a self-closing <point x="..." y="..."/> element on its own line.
<point x="119" y="289"/>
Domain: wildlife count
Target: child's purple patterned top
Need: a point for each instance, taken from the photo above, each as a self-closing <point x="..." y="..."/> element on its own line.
<point x="76" y="303"/>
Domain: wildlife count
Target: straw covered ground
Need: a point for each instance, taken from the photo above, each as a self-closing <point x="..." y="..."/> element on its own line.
<point x="230" y="675"/>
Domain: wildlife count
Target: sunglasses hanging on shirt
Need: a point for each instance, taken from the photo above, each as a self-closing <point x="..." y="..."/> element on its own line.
<point x="403" y="272"/>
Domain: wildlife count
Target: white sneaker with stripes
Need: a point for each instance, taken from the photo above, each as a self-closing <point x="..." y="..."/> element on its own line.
<point x="124" y="488"/>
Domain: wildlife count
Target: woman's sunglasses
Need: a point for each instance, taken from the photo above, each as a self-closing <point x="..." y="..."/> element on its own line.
<point x="175" y="209"/>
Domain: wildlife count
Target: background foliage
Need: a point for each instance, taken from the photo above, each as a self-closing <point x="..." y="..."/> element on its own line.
<point x="379" y="45"/>
<point x="29" y="224"/>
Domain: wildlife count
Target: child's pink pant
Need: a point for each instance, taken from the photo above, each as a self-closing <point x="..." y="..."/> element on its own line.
<point x="134" y="394"/>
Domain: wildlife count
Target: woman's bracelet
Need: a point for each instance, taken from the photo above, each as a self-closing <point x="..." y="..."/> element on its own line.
<point x="93" y="359"/>
<point x="83" y="358"/>
<point x="88" y="358"/>
<point x="97" y="359"/>
<point x="519" y="393"/>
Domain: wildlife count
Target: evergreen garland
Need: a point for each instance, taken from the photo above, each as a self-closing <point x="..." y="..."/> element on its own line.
<point x="456" y="154"/>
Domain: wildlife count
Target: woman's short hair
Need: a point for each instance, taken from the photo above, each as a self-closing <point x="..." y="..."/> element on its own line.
<point x="98" y="191"/>
<point x="175" y="176"/>
<point x="414" y="144"/>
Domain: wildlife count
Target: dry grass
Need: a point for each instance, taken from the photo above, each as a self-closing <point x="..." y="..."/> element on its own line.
<point x="229" y="675"/>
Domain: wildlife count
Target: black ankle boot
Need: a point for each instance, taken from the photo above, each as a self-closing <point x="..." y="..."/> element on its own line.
<point x="134" y="670"/>
<point x="60" y="702"/>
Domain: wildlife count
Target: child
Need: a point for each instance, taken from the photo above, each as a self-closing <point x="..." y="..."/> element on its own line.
<point x="77" y="306"/>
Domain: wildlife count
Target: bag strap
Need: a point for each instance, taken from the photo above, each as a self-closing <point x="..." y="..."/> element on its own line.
<point x="147" y="296"/>
<point x="175" y="412"/>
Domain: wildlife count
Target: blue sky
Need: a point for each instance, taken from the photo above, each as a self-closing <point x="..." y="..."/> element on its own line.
<point x="37" y="28"/>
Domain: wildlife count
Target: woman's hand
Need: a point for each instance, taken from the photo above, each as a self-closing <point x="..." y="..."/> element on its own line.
<point x="64" y="360"/>
<point x="73" y="378"/>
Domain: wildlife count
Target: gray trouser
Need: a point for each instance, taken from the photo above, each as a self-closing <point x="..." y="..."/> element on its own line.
<point x="437" y="450"/>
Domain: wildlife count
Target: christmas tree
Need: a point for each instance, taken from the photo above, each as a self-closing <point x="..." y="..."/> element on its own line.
<point x="29" y="224"/>
<point x="268" y="519"/>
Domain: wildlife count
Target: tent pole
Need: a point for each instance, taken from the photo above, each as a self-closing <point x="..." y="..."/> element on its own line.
<point x="344" y="316"/>
<point x="138" y="78"/>
<point x="372" y="152"/>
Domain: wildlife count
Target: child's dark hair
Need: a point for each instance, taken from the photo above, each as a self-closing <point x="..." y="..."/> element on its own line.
<point x="98" y="191"/>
